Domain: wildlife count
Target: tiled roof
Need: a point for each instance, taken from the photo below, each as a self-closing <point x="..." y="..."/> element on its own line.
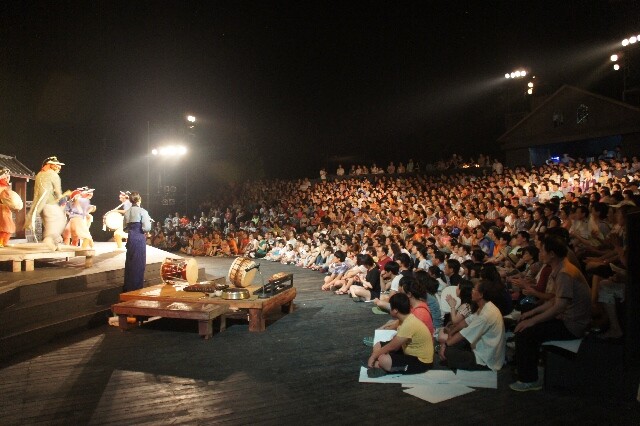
<point x="16" y="167"/>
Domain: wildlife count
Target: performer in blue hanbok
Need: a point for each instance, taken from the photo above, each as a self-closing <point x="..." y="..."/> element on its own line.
<point x="137" y="224"/>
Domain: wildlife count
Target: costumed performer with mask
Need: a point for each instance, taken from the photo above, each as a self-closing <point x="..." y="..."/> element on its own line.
<point x="9" y="200"/>
<point x="137" y="224"/>
<point x="47" y="197"/>
<point x="79" y="210"/>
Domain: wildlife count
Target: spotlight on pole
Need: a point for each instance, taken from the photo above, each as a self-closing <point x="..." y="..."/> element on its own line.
<point x="530" y="84"/>
<point x="516" y="74"/>
<point x="191" y="119"/>
<point x="632" y="39"/>
<point x="625" y="42"/>
<point x="530" y="91"/>
<point x="614" y="58"/>
<point x="616" y="67"/>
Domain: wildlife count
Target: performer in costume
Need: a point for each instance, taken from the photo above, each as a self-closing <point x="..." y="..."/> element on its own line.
<point x="125" y="204"/>
<point x="47" y="196"/>
<point x="79" y="210"/>
<point x="137" y="224"/>
<point x="9" y="200"/>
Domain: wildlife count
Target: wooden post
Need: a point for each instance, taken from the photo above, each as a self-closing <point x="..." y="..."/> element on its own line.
<point x="28" y="264"/>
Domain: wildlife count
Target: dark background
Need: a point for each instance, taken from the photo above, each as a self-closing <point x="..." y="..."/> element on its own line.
<point x="281" y="89"/>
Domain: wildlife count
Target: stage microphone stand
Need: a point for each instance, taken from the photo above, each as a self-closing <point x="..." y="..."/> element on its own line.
<point x="263" y="295"/>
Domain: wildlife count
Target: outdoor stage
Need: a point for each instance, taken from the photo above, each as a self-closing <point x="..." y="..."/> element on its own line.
<point x="60" y="291"/>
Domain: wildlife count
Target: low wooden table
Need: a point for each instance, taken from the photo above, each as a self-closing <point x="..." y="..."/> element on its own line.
<point x="257" y="308"/>
<point x="19" y="256"/>
<point x="204" y="313"/>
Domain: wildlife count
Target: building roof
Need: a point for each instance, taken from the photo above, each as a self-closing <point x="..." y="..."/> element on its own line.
<point x="556" y="119"/>
<point x="16" y="168"/>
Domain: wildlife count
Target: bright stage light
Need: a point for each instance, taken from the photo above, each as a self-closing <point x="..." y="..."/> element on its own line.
<point x="625" y="42"/>
<point x="170" y="150"/>
<point x="530" y="91"/>
<point x="616" y="67"/>
<point x="614" y="58"/>
<point x="516" y="74"/>
<point x="530" y="84"/>
<point x="632" y="39"/>
<point x="191" y="119"/>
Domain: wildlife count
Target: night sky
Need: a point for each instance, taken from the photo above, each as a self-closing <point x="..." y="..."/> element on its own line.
<point x="282" y="88"/>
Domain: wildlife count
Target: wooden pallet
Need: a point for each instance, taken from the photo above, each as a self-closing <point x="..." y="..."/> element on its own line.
<point x="23" y="258"/>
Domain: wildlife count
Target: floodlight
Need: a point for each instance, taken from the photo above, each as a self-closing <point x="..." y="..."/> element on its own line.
<point x="632" y="39"/>
<point x="507" y="75"/>
<point x="625" y="42"/>
<point x="614" y="58"/>
<point x="530" y="84"/>
<point x="616" y="67"/>
<point x="530" y="91"/>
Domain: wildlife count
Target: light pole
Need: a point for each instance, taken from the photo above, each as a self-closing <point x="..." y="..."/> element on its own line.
<point x="148" y="162"/>
<point x="173" y="151"/>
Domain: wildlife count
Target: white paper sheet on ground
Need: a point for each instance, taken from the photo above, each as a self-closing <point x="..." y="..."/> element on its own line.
<point x="569" y="345"/>
<point x="383" y="335"/>
<point x="441" y="376"/>
<point x="478" y="379"/>
<point x="435" y="393"/>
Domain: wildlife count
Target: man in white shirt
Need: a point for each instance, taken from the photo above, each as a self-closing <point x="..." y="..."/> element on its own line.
<point x="477" y="342"/>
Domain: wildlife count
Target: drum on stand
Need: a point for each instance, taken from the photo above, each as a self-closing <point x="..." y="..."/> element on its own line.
<point x="114" y="220"/>
<point x="238" y="274"/>
<point x="179" y="270"/>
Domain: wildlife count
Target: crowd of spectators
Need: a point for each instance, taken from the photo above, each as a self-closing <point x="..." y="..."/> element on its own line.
<point x="549" y="241"/>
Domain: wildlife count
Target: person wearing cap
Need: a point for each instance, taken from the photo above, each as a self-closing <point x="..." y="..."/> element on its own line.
<point x="9" y="200"/>
<point x="79" y="209"/>
<point x="47" y="196"/>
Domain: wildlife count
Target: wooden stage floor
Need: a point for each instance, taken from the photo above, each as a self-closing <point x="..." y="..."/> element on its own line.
<point x="302" y="370"/>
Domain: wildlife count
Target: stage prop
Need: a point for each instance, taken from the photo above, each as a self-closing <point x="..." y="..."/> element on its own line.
<point x="254" y="307"/>
<point x="204" y="313"/>
<point x="179" y="270"/>
<point x="242" y="271"/>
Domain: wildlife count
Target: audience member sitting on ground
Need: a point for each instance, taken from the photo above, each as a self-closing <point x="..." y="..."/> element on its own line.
<point x="478" y="341"/>
<point x="391" y="277"/>
<point x="369" y="287"/>
<point x="411" y="349"/>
